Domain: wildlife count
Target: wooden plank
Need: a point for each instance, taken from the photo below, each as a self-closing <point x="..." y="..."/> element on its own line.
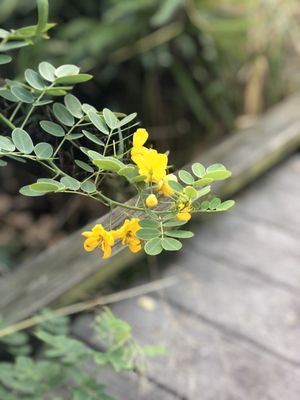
<point x="65" y="269"/>
<point x="202" y="361"/>
<point x="257" y="310"/>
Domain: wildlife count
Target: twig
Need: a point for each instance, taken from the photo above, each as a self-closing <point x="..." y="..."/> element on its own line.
<point x="87" y="305"/>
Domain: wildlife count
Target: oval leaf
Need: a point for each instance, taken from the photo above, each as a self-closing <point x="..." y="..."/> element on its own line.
<point x="47" y="71"/>
<point x="179" y="234"/>
<point x="73" y="79"/>
<point x="110" y="118"/>
<point x="186" y="177"/>
<point x="73" y="105"/>
<point x="98" y="122"/>
<point x="171" y="244"/>
<point x="44" y="187"/>
<point x="153" y="247"/>
<point x="147" y="233"/>
<point x="88" y="187"/>
<point x="22" y="141"/>
<point x="6" y="144"/>
<point x="198" y="170"/>
<point x="52" y="128"/>
<point x="43" y="150"/>
<point x="66" y="70"/>
<point x="62" y="114"/>
<point x="93" y="138"/>
<point x="70" y="183"/>
<point x="34" y="79"/>
<point x="22" y="94"/>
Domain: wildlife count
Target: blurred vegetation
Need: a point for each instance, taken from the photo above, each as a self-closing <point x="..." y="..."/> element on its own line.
<point x="183" y="65"/>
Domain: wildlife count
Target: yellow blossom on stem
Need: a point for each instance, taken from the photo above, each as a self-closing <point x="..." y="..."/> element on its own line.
<point x="151" y="201"/>
<point x="99" y="237"/>
<point x="164" y="187"/>
<point x="151" y="164"/>
<point x="127" y="233"/>
<point x="185" y="208"/>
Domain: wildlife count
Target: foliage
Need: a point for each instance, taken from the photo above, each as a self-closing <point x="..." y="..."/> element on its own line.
<point x="215" y="59"/>
<point x="61" y="363"/>
<point x="98" y="143"/>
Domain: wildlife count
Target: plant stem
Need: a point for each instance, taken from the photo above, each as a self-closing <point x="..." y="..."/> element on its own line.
<point x="7" y="121"/>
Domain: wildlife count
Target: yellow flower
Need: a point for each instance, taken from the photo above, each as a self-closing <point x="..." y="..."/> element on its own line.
<point x="163" y="185"/>
<point x="98" y="237"/>
<point x="127" y="232"/>
<point x="140" y="137"/>
<point x="184" y="210"/>
<point x="151" y="201"/>
<point x="151" y="164"/>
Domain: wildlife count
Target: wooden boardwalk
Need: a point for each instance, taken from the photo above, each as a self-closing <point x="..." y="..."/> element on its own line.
<point x="232" y="325"/>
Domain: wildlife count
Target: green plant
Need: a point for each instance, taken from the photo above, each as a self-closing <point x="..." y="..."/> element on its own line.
<point x="59" y="369"/>
<point x="97" y="144"/>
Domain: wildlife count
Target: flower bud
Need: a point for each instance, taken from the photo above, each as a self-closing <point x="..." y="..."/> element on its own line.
<point x="151" y="201"/>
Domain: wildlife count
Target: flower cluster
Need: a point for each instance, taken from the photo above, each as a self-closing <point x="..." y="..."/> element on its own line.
<point x="100" y="238"/>
<point x="153" y="166"/>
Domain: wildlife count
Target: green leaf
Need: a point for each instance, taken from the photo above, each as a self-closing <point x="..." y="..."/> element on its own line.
<point x="226" y="205"/>
<point x="198" y="170"/>
<point x="177" y="187"/>
<point x="52" y="128"/>
<point x="186" y="177"/>
<point x="86" y="167"/>
<point x="7" y="95"/>
<point x="44" y="187"/>
<point x="171" y="244"/>
<point x="52" y="182"/>
<point x="153" y="247"/>
<point x="67" y="70"/>
<point x="88" y="187"/>
<point x="190" y="192"/>
<point x="205" y="205"/>
<point x="34" y="79"/>
<point x="94" y="155"/>
<point x="202" y="181"/>
<point x="214" y="203"/>
<point x="174" y="222"/>
<point x="73" y="105"/>
<point x="127" y="119"/>
<point x="149" y="223"/>
<point x="203" y="191"/>
<point x="62" y="114"/>
<point x="216" y="167"/>
<point x="47" y="71"/>
<point x="22" y="141"/>
<point x="218" y="175"/>
<point x="93" y="138"/>
<point x="70" y="183"/>
<point x="22" y="94"/>
<point x="3" y="163"/>
<point x="126" y="171"/>
<point x="86" y="108"/>
<point x="12" y="45"/>
<point x="148" y="233"/>
<point x="5" y="59"/>
<point x="27" y="191"/>
<point x="74" y="136"/>
<point x="110" y="118"/>
<point x="109" y="164"/>
<point x="98" y="122"/>
<point x="179" y="234"/>
<point x="73" y="79"/>
<point x="6" y="144"/>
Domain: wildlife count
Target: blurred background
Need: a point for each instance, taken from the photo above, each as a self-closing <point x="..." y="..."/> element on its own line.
<point x="194" y="70"/>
